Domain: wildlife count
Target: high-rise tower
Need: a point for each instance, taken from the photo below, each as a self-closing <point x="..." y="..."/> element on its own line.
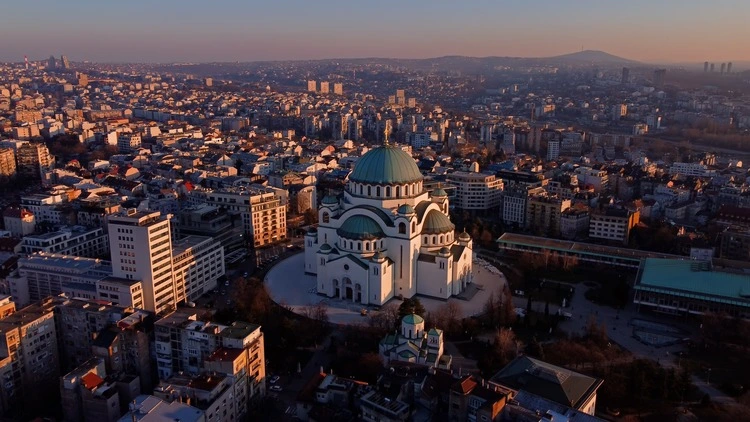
<point x="141" y="246"/>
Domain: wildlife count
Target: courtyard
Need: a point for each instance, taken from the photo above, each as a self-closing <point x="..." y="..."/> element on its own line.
<point x="288" y="285"/>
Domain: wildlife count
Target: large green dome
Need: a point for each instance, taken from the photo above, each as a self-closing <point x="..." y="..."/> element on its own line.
<point x="386" y="165"/>
<point x="437" y="222"/>
<point x="360" y="227"/>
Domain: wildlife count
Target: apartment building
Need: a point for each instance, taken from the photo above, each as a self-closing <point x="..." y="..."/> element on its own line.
<point x="198" y="262"/>
<point x="44" y="274"/>
<point x="476" y="191"/>
<point x="217" y="395"/>
<point x="598" y="179"/>
<point x="544" y="212"/>
<point x="128" y="142"/>
<point x="29" y="361"/>
<point x="19" y="221"/>
<point x="46" y="208"/>
<point x="513" y="210"/>
<point x="613" y="224"/>
<point x="182" y="343"/>
<point x="116" y="334"/>
<point x="141" y="247"/>
<point x="7" y="162"/>
<point x="691" y="169"/>
<point x="261" y="208"/>
<point x="32" y="159"/>
<point x="574" y="222"/>
<point x="246" y="365"/>
<point x="735" y="244"/>
<point x="75" y="241"/>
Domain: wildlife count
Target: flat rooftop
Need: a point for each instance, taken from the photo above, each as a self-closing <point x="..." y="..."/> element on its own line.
<point x="696" y="279"/>
<point x="579" y="247"/>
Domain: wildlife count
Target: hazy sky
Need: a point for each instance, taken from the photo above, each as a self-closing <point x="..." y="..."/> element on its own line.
<point x="247" y="30"/>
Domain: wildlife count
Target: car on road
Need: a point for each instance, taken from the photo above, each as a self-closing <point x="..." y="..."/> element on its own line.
<point x="245" y="274"/>
<point x="226" y="283"/>
<point x="363" y="312"/>
<point x="276" y="388"/>
<point x="274" y="379"/>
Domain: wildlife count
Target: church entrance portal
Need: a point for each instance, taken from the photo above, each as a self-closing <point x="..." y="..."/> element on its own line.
<point x="348" y="290"/>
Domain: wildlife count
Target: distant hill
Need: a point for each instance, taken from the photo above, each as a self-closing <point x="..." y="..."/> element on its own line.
<point x="590" y="56"/>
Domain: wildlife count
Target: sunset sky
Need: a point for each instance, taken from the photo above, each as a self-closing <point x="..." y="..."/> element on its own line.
<point x="248" y="30"/>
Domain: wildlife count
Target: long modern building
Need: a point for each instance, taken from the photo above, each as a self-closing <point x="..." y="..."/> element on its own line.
<point x="198" y="263"/>
<point x="75" y="241"/>
<point x="690" y="287"/>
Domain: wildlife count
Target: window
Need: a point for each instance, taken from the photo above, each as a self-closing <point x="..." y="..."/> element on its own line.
<point x="377" y="191"/>
<point x="375" y="271"/>
<point x="326" y="218"/>
<point x="402" y="228"/>
<point x="367" y="246"/>
<point x="413" y="226"/>
<point x="398" y="191"/>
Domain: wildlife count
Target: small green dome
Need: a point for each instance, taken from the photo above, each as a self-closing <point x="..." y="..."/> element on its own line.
<point x="445" y="251"/>
<point x="464" y="236"/>
<point x="405" y="209"/>
<point x="380" y="256"/>
<point x="439" y="192"/>
<point x="386" y="165"/>
<point x="413" y="319"/>
<point x="325" y="248"/>
<point x="437" y="222"/>
<point x="360" y="227"/>
<point x="330" y="200"/>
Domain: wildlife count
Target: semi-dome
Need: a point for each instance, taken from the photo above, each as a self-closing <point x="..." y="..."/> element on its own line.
<point x="330" y="200"/>
<point x="325" y="248"/>
<point x="437" y="222"/>
<point x="360" y="227"/>
<point x="386" y="165"/>
<point x="405" y="209"/>
<point x="445" y="251"/>
<point x="439" y="192"/>
<point x="464" y="237"/>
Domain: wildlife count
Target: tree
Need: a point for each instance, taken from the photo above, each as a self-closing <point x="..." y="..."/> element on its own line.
<point x="238" y="165"/>
<point x="386" y="319"/>
<point x="506" y="346"/>
<point x="534" y="349"/>
<point x="411" y="306"/>
<point x="310" y="216"/>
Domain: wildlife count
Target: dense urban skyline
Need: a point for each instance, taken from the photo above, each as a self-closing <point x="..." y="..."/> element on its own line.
<point x="668" y="31"/>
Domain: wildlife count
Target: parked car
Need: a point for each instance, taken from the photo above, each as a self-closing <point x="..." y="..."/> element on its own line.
<point x="276" y="388"/>
<point x="274" y="379"/>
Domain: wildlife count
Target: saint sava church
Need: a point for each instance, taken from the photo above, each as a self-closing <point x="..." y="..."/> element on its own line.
<point x="386" y="236"/>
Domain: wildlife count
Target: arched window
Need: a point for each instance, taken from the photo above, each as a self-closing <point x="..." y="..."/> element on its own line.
<point x="377" y="191"/>
<point x="413" y="226"/>
<point x="369" y="190"/>
<point x="360" y="189"/>
<point x="441" y="238"/>
<point x="434" y="239"/>
<point x="387" y="191"/>
<point x="326" y="218"/>
<point x="402" y="228"/>
<point x="398" y="191"/>
<point x="359" y="246"/>
<point x="367" y="246"/>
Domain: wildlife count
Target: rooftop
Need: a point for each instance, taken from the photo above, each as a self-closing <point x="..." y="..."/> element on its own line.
<point x="691" y="278"/>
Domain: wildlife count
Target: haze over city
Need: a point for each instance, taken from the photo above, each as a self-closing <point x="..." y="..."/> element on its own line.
<point x="197" y="31"/>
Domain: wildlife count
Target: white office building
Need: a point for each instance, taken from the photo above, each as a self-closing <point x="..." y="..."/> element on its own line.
<point x="141" y="247"/>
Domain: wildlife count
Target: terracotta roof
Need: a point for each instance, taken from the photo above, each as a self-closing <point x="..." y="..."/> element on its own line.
<point x="91" y="381"/>
<point x="308" y="391"/>
<point x="464" y="386"/>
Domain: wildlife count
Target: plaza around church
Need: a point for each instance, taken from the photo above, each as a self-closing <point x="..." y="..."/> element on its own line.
<point x="288" y="284"/>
